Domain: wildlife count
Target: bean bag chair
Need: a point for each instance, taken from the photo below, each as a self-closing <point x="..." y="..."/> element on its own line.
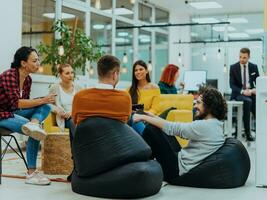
<point x="228" y="167"/>
<point x="113" y="161"/>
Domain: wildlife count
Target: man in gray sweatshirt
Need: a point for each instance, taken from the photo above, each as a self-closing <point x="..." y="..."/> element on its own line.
<point x="205" y="134"/>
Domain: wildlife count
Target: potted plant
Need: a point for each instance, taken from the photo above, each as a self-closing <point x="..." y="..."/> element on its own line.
<point x="74" y="48"/>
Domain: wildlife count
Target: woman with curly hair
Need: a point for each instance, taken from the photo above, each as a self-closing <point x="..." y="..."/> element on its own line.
<point x="205" y="135"/>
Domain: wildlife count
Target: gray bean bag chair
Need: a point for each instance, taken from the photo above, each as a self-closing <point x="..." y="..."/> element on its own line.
<point x="113" y="161"/>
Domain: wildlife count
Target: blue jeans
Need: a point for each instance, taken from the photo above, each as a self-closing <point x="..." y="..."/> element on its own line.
<point x="139" y="127"/>
<point x="20" y="118"/>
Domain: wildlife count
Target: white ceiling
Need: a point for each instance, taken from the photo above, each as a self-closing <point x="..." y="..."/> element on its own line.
<point x="229" y="6"/>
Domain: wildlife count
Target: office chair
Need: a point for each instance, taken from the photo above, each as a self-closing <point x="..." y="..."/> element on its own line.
<point x="4" y="133"/>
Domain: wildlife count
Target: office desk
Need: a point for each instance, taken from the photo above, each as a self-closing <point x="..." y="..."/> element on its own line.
<point x="229" y="124"/>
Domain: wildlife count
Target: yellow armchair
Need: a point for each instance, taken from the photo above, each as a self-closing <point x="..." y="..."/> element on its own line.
<point x="183" y="104"/>
<point x="50" y="124"/>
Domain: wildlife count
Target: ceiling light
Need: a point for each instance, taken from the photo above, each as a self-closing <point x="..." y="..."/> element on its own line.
<point x="145" y="40"/>
<point x="60" y="50"/>
<point x="255" y="31"/>
<point x="109" y="27"/>
<point x="121" y="40"/>
<point x="222" y="28"/>
<point x="98" y="26"/>
<point x="123" y="34"/>
<point x="205" y="5"/>
<point x="219" y="55"/>
<point x="119" y="11"/>
<point x="204" y="57"/>
<point x="180" y="58"/>
<point x="149" y="66"/>
<point x="91" y="70"/>
<point x="239" y="20"/>
<point x="63" y="15"/>
<point x="205" y="20"/>
<point x="125" y="58"/>
<point x="194" y="34"/>
<point x="132" y="1"/>
<point x="238" y="35"/>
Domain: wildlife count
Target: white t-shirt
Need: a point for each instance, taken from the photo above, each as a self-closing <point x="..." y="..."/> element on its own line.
<point x="66" y="99"/>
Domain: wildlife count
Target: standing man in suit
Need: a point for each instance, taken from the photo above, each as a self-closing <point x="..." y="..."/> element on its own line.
<point x="243" y="76"/>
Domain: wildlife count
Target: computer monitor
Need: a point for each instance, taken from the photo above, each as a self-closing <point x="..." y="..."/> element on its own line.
<point x="212" y="83"/>
<point x="194" y="79"/>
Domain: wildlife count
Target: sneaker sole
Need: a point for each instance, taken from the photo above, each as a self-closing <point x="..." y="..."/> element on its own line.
<point x="37" y="135"/>
<point x="41" y="184"/>
<point x="25" y="130"/>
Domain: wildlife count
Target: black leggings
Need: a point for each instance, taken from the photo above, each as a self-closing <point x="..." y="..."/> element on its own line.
<point x="165" y="149"/>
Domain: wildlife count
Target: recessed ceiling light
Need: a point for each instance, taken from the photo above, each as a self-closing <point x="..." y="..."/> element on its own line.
<point x="239" y="20"/>
<point x="119" y="11"/>
<point x="193" y="34"/>
<point x="123" y="34"/>
<point x="109" y="27"/>
<point x="205" y="20"/>
<point x="121" y="40"/>
<point x="205" y="5"/>
<point x="222" y="28"/>
<point x="238" y="35"/>
<point x="63" y="15"/>
<point x="255" y="31"/>
<point x="145" y="40"/>
<point x="98" y="26"/>
<point x="142" y="36"/>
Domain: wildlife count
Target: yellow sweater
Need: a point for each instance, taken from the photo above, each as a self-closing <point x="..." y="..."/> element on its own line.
<point x="148" y="97"/>
<point x="108" y="103"/>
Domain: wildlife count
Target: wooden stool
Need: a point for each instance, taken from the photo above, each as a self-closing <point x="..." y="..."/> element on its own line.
<point x="56" y="154"/>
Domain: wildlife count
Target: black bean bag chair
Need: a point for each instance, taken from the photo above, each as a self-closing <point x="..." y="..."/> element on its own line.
<point x="113" y="161"/>
<point x="228" y="167"/>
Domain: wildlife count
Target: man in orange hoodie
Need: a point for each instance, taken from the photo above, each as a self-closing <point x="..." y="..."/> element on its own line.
<point x="103" y="100"/>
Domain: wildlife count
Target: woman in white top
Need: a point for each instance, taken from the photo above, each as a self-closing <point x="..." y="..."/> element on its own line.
<point x="65" y="90"/>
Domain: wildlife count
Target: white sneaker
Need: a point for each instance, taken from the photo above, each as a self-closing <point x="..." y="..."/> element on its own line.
<point x="34" y="130"/>
<point x="37" y="178"/>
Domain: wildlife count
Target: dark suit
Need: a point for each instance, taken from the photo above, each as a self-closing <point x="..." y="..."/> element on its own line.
<point x="236" y="86"/>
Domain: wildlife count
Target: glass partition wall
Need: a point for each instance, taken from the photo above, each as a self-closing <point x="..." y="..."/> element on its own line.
<point x="100" y="20"/>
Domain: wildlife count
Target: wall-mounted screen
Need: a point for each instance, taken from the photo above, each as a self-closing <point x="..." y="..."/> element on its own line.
<point x="194" y="79"/>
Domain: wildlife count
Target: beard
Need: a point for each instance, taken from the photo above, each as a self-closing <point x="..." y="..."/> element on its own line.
<point x="198" y="115"/>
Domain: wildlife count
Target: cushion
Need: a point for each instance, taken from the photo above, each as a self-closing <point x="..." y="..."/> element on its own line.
<point x="101" y="144"/>
<point x="134" y="180"/>
<point x="228" y="167"/>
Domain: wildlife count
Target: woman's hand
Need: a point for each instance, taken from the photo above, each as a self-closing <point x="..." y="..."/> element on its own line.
<point x="50" y="98"/>
<point x="67" y="115"/>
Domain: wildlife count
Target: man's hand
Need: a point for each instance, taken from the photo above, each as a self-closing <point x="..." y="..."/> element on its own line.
<point x="253" y="91"/>
<point x="247" y="92"/>
<point x="138" y="118"/>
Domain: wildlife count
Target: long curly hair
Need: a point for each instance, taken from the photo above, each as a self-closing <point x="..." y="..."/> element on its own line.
<point x="214" y="102"/>
<point x="134" y="87"/>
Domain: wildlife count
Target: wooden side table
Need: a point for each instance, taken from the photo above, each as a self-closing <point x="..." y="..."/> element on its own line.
<point x="56" y="154"/>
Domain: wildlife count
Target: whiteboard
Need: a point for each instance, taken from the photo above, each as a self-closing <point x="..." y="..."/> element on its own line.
<point x="194" y="79"/>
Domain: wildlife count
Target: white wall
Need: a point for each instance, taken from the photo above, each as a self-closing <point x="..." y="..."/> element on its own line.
<point x="10" y="34"/>
<point x="179" y="33"/>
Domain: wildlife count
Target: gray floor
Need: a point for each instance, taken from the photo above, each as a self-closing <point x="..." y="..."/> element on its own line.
<point x="12" y="189"/>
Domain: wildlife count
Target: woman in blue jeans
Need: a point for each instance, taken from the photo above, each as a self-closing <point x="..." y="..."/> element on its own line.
<point x="20" y="114"/>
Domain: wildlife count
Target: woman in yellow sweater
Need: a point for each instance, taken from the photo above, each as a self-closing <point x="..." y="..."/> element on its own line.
<point x="142" y="91"/>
